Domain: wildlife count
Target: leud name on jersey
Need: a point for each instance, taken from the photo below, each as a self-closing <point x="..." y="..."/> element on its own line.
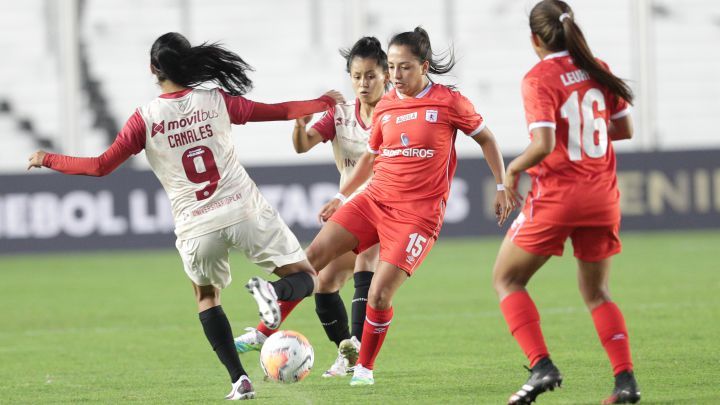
<point x="576" y="76"/>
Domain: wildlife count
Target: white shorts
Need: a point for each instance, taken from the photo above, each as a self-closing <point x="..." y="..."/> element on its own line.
<point x="264" y="238"/>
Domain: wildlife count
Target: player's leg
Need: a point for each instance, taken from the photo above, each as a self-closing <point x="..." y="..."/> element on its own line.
<point x="365" y="264"/>
<point x="268" y="242"/>
<point x="332" y="241"/>
<point x="512" y="271"/>
<point x="527" y="247"/>
<point x="594" y="247"/>
<point x="330" y="308"/>
<point x="404" y="244"/>
<point x="205" y="260"/>
<point x="219" y="334"/>
<point x="386" y="281"/>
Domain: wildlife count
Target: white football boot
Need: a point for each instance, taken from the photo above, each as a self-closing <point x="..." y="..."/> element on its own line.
<point x="338" y="369"/>
<point x="267" y="301"/>
<point x="362" y="376"/>
<point x="241" y="389"/>
<point x="252" y="339"/>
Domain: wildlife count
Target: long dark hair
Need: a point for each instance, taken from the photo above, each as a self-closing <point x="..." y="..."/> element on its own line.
<point x="176" y="60"/>
<point x="557" y="35"/>
<point x="365" y="47"/>
<point x="418" y="41"/>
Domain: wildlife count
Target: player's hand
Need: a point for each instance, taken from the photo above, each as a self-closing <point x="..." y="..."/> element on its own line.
<point x="329" y="209"/>
<point x="36" y="159"/>
<point x="511" y="184"/>
<point x="335" y="95"/>
<point x="503" y="206"/>
<point x="303" y="121"/>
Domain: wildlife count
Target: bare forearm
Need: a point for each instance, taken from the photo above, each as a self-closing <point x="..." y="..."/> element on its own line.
<point x="491" y="150"/>
<point x="533" y="155"/>
<point x="494" y="159"/>
<point x="300" y="139"/>
<point x="620" y="130"/>
<point x="362" y="172"/>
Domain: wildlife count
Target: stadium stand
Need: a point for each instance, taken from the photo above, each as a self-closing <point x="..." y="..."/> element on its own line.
<point x="295" y="54"/>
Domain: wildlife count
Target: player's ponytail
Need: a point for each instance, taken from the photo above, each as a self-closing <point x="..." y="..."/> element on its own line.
<point x="174" y="59"/>
<point x="418" y="41"/>
<point x="553" y="22"/>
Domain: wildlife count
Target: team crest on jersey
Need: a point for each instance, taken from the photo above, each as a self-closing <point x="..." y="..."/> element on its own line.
<point x="346" y="122"/>
<point x="157" y="128"/>
<point x="431" y="115"/>
<point x="404" y="139"/>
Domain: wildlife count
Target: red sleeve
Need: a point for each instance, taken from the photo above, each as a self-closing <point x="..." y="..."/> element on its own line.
<point x="464" y="117"/>
<point x="326" y="125"/>
<point x="132" y="136"/>
<point x="376" y="136"/>
<point x="242" y="110"/>
<point x="239" y="108"/>
<point x="290" y="110"/>
<point x="102" y="165"/>
<point x="129" y="141"/>
<point x="540" y="105"/>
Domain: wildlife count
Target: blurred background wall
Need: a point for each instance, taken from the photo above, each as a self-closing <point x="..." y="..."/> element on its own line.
<point x="72" y="71"/>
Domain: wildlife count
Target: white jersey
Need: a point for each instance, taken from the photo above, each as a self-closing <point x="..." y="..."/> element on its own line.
<point x="189" y="146"/>
<point x="342" y="125"/>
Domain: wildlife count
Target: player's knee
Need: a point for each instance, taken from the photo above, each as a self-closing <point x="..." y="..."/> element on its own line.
<point x="594" y="297"/>
<point x="207" y="295"/>
<point x="316" y="256"/>
<point x="506" y="282"/>
<point x="330" y="284"/>
<point x="380" y="299"/>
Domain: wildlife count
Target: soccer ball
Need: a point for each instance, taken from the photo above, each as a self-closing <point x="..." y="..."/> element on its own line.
<point x="287" y="357"/>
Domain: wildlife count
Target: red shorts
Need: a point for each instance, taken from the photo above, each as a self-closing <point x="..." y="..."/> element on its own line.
<point x="404" y="241"/>
<point x="590" y="243"/>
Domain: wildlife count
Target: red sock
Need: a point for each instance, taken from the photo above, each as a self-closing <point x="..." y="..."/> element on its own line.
<point x="611" y="329"/>
<point x="285" y="308"/>
<point x="375" y="328"/>
<point x="523" y="320"/>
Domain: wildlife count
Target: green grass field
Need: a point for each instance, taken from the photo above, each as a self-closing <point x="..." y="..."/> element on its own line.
<point x="122" y="327"/>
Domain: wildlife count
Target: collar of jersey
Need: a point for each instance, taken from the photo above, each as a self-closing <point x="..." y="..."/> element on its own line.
<point x="176" y="94"/>
<point x="358" y="118"/>
<point x="556" y="55"/>
<point x="422" y="94"/>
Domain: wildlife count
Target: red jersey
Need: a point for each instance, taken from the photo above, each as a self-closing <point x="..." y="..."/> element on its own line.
<point x="576" y="184"/>
<point x="414" y="139"/>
